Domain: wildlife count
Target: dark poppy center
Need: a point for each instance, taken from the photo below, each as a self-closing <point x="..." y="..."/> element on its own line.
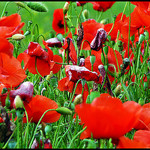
<point x="60" y="24"/>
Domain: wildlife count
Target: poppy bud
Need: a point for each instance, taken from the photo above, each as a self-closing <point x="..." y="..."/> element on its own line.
<point x="21" y="4"/>
<point x="92" y="59"/>
<point x="49" y="76"/>
<point x="48" y="129"/>
<point x="105" y="49"/>
<point x="18" y="37"/>
<point x="60" y="37"/>
<point x="146" y="35"/>
<point x="104" y="21"/>
<point x="117" y="90"/>
<point x="64" y="111"/>
<point x="99" y="39"/>
<point x="85" y="13"/>
<point x="141" y="38"/>
<point x="78" y="99"/>
<point x="82" y="61"/>
<point x="102" y="58"/>
<point x="66" y="8"/>
<point x="27" y="33"/>
<point x="18" y="102"/>
<point x="37" y="6"/>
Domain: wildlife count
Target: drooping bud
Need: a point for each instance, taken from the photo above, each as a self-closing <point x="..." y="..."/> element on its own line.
<point x="99" y="39"/>
<point x="66" y="8"/>
<point x="64" y="110"/>
<point x="18" y="103"/>
<point x="78" y="99"/>
<point x="18" y="37"/>
<point x="117" y="90"/>
<point x="141" y="38"/>
<point x="85" y="13"/>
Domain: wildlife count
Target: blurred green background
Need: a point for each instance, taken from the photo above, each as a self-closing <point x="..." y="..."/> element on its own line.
<point x="44" y="19"/>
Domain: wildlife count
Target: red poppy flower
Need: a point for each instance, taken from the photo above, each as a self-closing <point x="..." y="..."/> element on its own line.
<point x="11" y="73"/>
<point x="143" y="6"/>
<point x="90" y="28"/>
<point x="10" y="25"/>
<point x="141" y="139"/>
<point x="58" y="21"/>
<point x="43" y="59"/>
<point x="111" y="60"/>
<point x="144" y="120"/>
<point x="37" y="106"/>
<point x="102" y="6"/>
<point x="102" y="119"/>
<point x="69" y="46"/>
<point x="6" y="47"/>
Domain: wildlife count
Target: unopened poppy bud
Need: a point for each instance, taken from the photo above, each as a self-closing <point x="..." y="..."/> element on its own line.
<point x="66" y="8"/>
<point x="21" y="4"/>
<point x="78" y="99"/>
<point x="27" y="33"/>
<point x="99" y="39"/>
<point x="117" y="90"/>
<point x="60" y="37"/>
<point x="92" y="59"/>
<point x="102" y="58"/>
<point x="104" y="21"/>
<point x="105" y="49"/>
<point x="141" y="38"/>
<point x="49" y="76"/>
<point x="48" y="129"/>
<point x="18" y="102"/>
<point x="64" y="111"/>
<point x="18" y="37"/>
<point x="146" y="35"/>
<point x="85" y="13"/>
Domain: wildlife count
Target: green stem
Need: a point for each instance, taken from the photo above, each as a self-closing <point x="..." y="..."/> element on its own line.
<point x="129" y="27"/>
<point x="38" y="125"/>
<point x="4" y="9"/>
<point x="76" y="137"/>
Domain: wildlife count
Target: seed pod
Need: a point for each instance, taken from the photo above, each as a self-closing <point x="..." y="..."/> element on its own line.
<point x="37" y="6"/>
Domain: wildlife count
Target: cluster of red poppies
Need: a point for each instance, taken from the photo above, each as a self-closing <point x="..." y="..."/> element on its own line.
<point x="106" y="116"/>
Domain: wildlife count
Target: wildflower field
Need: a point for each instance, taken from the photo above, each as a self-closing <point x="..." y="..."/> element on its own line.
<point x="80" y="80"/>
